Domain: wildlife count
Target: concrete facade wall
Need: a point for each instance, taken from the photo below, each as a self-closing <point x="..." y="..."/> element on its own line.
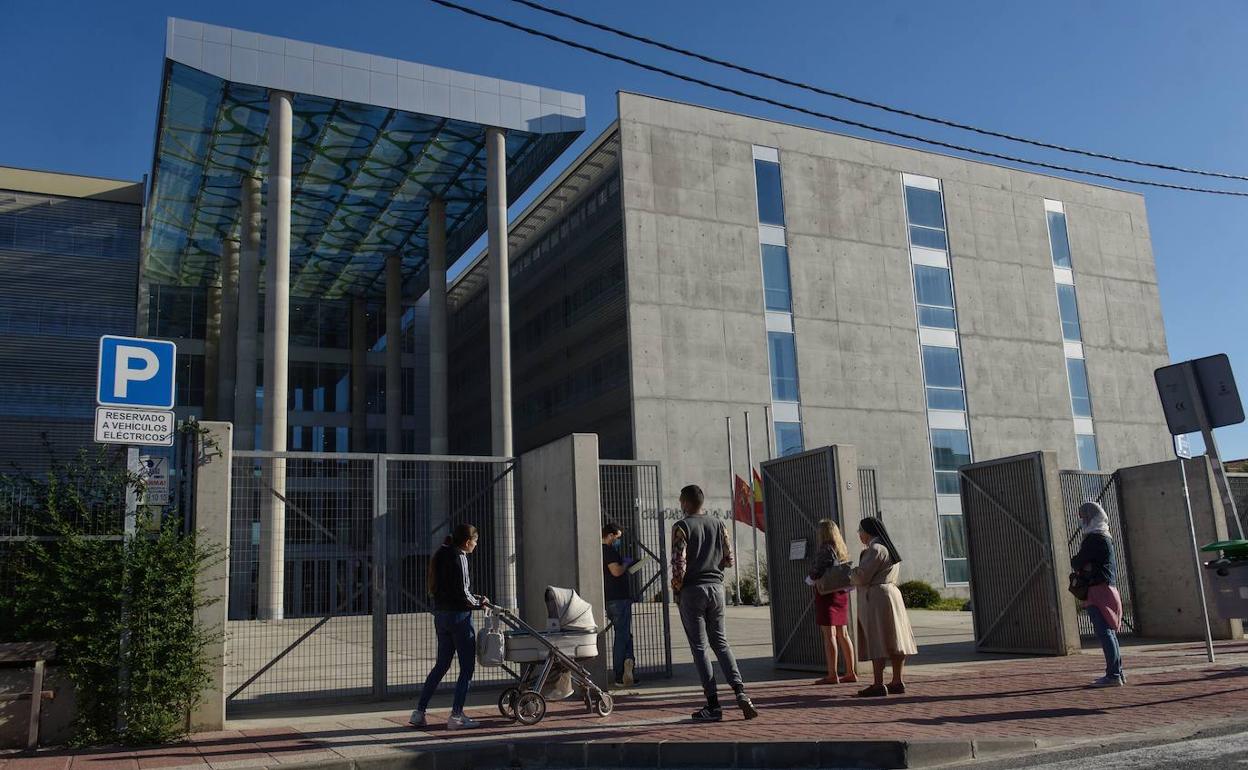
<point x="698" y="334"/>
<point x="561" y="514"/>
<point x="1163" y="571"/>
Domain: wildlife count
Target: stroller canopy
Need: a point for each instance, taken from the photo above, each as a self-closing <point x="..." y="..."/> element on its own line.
<point x="572" y="612"/>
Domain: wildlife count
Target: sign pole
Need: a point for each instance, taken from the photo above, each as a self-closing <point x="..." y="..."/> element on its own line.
<point x="1200" y="579"/>
<point x="1211" y="447"/>
<point x="749" y="462"/>
<point x="732" y="507"/>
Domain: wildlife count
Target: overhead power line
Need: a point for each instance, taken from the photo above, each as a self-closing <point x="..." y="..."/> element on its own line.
<point x="824" y="115"/>
<point x="866" y="102"/>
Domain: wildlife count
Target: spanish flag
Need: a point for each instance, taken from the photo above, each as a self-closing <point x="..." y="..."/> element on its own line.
<point x="747" y="504"/>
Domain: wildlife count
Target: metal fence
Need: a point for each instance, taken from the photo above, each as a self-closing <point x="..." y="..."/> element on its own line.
<point x="1079" y="487"/>
<point x="869" y="497"/>
<point x="354" y="534"/>
<point x="630" y="497"/>
<point x="1239" y="492"/>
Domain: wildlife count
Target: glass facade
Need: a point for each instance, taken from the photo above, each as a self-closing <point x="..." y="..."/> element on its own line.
<point x="69" y="267"/>
<point x="941" y="356"/>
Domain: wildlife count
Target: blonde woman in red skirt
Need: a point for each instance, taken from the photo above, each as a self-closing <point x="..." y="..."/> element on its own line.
<point x="832" y="610"/>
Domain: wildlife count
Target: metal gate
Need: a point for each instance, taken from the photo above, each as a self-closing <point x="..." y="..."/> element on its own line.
<point x="630" y="497"/>
<point x="1079" y="487"/>
<point x="798" y="491"/>
<point x="356" y="533"/>
<point x="1011" y="507"/>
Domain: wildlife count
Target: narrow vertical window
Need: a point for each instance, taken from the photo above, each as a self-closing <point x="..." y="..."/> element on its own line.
<point x="933" y="293"/>
<point x="783" y="366"/>
<point x="1088" y="458"/>
<point x="1080" y="396"/>
<point x="951" y="449"/>
<point x="926" y="214"/>
<point x="770" y="196"/>
<point x="788" y="438"/>
<point x="1058" y="239"/>
<point x="942" y="370"/>
<point x="776" y="278"/>
<point x="1069" y="310"/>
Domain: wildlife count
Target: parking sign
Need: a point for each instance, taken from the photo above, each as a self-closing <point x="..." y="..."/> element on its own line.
<point x="136" y="372"/>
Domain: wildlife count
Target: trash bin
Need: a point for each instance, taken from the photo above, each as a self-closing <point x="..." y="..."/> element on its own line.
<point x="1227" y="578"/>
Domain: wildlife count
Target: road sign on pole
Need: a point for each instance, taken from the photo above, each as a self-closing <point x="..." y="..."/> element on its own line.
<point x="1200" y="395"/>
<point x="135" y="389"/>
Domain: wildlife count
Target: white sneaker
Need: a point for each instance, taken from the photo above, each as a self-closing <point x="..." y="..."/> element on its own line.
<point x="461" y="722"/>
<point x="417" y="719"/>
<point x="629" y="680"/>
<point x="1108" y="681"/>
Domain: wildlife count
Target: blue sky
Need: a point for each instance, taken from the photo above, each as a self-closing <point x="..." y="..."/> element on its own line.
<point x="1157" y="80"/>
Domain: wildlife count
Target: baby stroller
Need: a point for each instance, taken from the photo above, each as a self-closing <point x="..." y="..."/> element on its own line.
<point x="571" y="636"/>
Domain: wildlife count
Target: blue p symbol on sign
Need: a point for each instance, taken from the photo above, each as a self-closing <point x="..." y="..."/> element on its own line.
<point x="136" y="372"/>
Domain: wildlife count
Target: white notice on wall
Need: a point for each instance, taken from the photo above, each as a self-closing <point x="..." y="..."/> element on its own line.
<point x="797" y="550"/>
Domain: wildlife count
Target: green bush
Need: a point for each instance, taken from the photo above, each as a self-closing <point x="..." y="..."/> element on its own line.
<point x="919" y="595"/>
<point x="749" y="589"/>
<point x="122" y="614"/>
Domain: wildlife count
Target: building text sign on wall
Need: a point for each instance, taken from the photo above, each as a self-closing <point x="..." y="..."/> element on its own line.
<point x="135" y="387"/>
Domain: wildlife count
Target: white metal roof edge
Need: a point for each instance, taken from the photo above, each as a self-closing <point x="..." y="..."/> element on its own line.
<point x="283" y="64"/>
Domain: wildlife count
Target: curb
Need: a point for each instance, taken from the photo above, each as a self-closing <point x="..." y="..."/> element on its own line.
<point x="881" y="755"/>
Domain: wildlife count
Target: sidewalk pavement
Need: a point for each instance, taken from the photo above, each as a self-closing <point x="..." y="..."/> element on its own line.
<point x="1042" y="701"/>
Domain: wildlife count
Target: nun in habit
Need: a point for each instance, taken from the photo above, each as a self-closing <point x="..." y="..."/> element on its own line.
<point x="884" y="632"/>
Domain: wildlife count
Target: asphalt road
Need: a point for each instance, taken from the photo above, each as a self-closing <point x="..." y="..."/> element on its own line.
<point x="1225" y="749"/>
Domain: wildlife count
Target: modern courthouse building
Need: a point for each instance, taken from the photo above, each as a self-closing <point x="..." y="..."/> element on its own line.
<point x="693" y="264"/>
<point x="306" y="203"/>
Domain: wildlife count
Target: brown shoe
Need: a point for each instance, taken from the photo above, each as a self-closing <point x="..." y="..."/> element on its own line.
<point x="874" y="691"/>
<point x="897" y="688"/>
<point x="827" y="680"/>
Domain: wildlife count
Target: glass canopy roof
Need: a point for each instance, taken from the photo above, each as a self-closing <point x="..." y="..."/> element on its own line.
<point x="362" y="179"/>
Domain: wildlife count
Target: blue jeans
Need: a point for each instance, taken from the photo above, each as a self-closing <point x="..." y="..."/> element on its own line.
<point x="620" y="612"/>
<point x="456" y="636"/>
<point x="1109" y="644"/>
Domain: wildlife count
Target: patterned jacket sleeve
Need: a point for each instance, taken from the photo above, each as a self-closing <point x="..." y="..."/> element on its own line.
<point x="826" y="557"/>
<point x="725" y="543"/>
<point x="679" y="564"/>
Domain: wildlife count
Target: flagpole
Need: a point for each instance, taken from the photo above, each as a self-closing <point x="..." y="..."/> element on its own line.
<point x="749" y="461"/>
<point x="732" y="508"/>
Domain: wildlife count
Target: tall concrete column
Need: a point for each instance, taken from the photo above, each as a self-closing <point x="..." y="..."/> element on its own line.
<point x="438" y="441"/>
<point x="359" y="374"/>
<point x="394" y="354"/>
<point x="500" y="292"/>
<point x="248" y="316"/>
<point x="276" y="357"/>
<point x="227" y="350"/>
<point x="504" y="539"/>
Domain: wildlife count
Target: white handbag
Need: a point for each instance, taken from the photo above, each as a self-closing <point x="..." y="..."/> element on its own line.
<point x="491" y="643"/>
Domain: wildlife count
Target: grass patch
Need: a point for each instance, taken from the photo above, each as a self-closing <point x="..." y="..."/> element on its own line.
<point x="952" y="604"/>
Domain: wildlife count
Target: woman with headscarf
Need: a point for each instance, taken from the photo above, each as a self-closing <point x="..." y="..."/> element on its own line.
<point x="1095" y="564"/>
<point x="884" y="632"/>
